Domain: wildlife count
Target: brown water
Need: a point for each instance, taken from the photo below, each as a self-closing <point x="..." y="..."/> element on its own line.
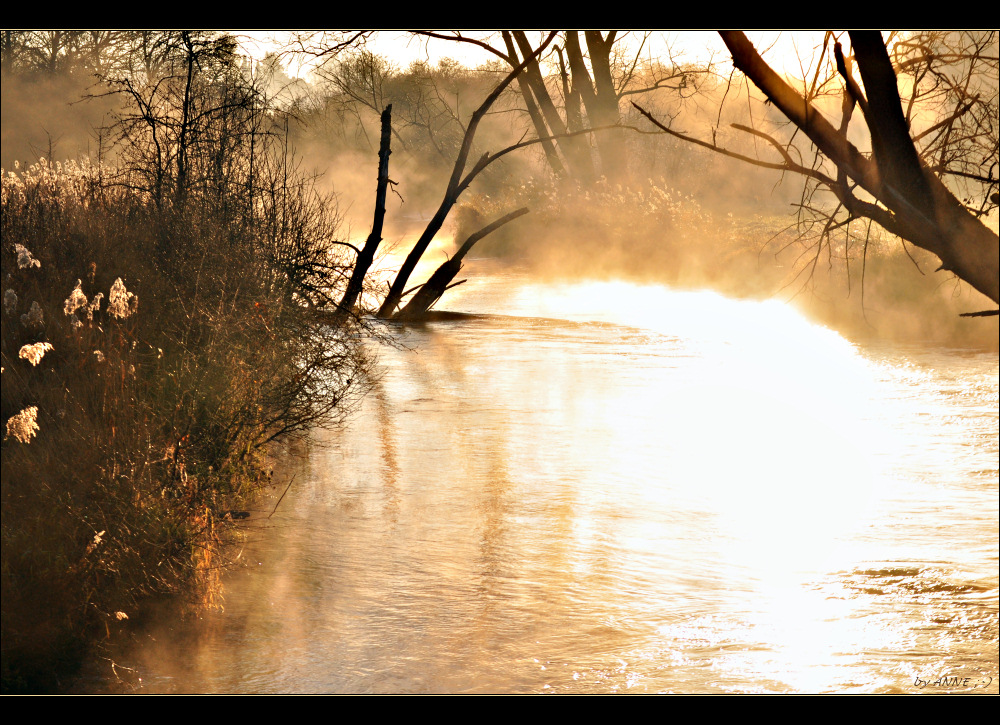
<point x="682" y="494"/>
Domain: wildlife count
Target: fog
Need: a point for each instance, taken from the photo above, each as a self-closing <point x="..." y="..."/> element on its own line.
<point x="685" y="216"/>
<point x="700" y="362"/>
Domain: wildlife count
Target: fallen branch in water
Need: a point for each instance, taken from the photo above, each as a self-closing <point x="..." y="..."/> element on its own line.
<point x="440" y="281"/>
<point x="280" y="498"/>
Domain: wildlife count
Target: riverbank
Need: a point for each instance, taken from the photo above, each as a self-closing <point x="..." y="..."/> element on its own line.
<point x="143" y="375"/>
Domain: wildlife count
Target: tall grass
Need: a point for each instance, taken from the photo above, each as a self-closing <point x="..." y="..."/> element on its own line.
<point x="149" y="353"/>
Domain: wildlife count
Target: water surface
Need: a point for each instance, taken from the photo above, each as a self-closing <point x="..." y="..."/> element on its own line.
<point x="621" y="488"/>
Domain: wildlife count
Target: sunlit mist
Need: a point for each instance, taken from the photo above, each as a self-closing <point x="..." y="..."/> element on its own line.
<point x="500" y="362"/>
<point x="622" y="487"/>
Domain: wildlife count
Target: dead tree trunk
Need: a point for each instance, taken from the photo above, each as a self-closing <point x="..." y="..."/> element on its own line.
<point x="456" y="185"/>
<point x="367" y="254"/>
<point x="432" y="290"/>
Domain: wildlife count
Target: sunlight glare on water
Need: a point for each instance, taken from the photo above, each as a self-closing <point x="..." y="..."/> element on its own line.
<point x="767" y="382"/>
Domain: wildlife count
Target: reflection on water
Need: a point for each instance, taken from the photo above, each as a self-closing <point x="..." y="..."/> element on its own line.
<point x="615" y="488"/>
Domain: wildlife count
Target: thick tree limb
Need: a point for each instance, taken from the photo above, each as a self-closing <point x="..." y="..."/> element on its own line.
<point x="894" y="151"/>
<point x="802" y="113"/>
<point x="440" y="281"/>
<point x="923" y="211"/>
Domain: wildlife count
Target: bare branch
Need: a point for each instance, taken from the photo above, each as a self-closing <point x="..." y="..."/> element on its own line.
<point x="788" y="164"/>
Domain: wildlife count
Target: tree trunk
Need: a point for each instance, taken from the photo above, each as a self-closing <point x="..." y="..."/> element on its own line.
<point x="576" y="150"/>
<point x="894" y="152"/>
<point x="610" y="144"/>
<point x="367" y="254"/>
<point x="432" y="290"/>
<point x="182" y="144"/>
<point x="571" y="96"/>
<point x="917" y="205"/>
<point x="551" y="155"/>
<point x="398" y="286"/>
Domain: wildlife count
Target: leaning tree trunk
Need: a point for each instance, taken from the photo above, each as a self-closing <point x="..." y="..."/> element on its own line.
<point x="551" y="155"/>
<point x="433" y="288"/>
<point x="458" y="183"/>
<point x="917" y="206"/>
<point x="367" y="254"/>
<point x="575" y="150"/>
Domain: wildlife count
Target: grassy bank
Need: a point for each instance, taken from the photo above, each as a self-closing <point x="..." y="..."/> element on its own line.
<point x="149" y="352"/>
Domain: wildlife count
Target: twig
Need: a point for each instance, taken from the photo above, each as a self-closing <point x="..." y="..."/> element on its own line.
<point x="984" y="313"/>
<point x="282" y="496"/>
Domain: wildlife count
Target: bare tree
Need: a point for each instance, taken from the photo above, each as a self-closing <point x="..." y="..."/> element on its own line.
<point x="585" y="93"/>
<point x="428" y="101"/>
<point x="365" y="81"/>
<point x="178" y="130"/>
<point x="89" y="52"/>
<point x="930" y="144"/>
<point x="459" y="182"/>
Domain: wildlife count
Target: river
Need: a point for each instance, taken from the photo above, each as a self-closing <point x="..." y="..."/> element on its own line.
<point x="606" y="487"/>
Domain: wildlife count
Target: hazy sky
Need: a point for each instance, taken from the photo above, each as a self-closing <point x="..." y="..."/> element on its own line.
<point x="399" y="46"/>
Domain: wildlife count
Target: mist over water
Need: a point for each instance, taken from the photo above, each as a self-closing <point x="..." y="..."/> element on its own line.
<point x="663" y="442"/>
<point x="677" y="493"/>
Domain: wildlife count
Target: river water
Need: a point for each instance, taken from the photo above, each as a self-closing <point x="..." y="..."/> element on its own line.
<point x="621" y="488"/>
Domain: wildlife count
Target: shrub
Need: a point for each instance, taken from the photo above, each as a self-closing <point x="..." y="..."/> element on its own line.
<point x="149" y="353"/>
